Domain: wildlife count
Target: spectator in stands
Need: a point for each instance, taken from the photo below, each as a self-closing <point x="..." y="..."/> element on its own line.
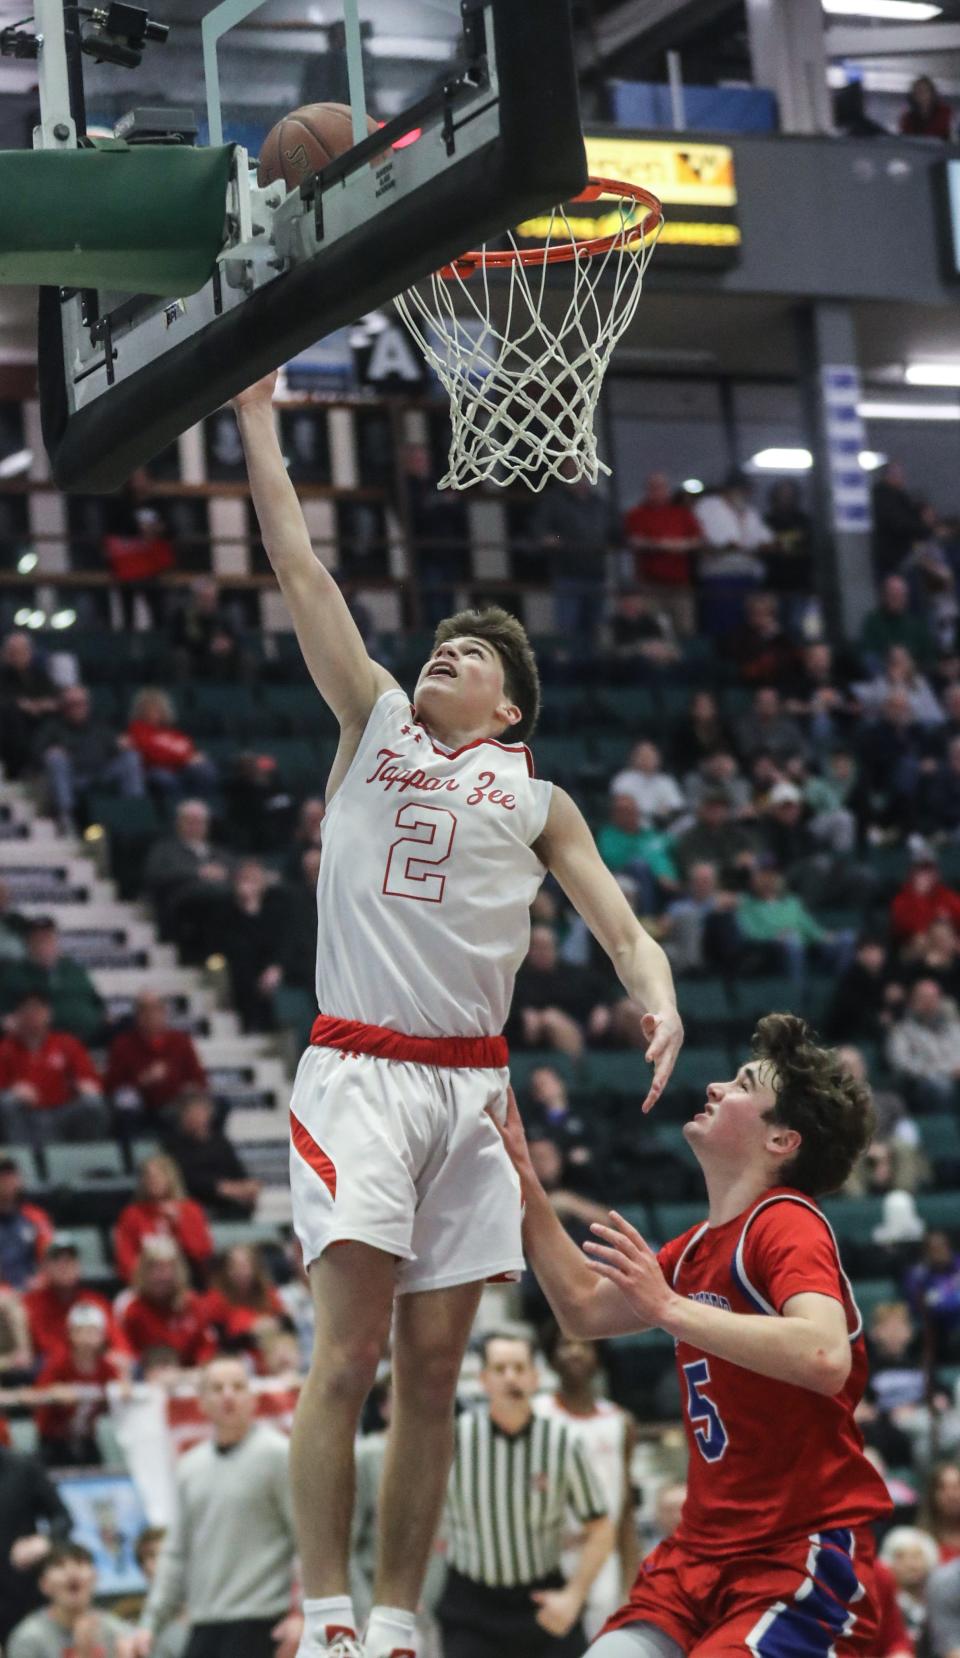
<point x="867" y="996"/>
<point x="150" y="1064"/>
<point x="25" y="1229"/>
<point x="79" y="752"/>
<point x="731" y="564"/>
<point x="161" y="1208"/>
<point x="927" y="114"/>
<point x="766" y="729"/>
<point x="941" y="1509"/>
<point x="892" y="1638"/>
<point x="67" y="1428"/>
<point x="12" y="929"/>
<point x="27" y="697"/>
<point x="924" y="1046"/>
<point x="715" y="838"/>
<point x="58" y="1290"/>
<point x="242" y="1301"/>
<point x="934" y="954"/>
<point x="938" y="795"/>
<point x="789" y="559"/>
<point x="298" y="1300"/>
<point x="932" y="1287"/>
<point x="75" y="1004"/>
<point x="900" y="675"/>
<point x="306" y="837"/>
<point x="639" y="854"/>
<point x="912" y="1554"/>
<point x="699" y="930"/>
<point x="717" y="772"/>
<point x="699" y="733"/>
<point x="937" y="739"/>
<point x="298" y="941"/>
<point x="656" y="793"/>
<point x="887" y="1166"/>
<point x="213" y="1172"/>
<point x="33" y="1519"/>
<point x="760" y="648"/>
<point x="813" y="696"/>
<point x="551" y="1116"/>
<point x="229" y="1556"/>
<point x="185" y="870"/>
<point x="636" y="630"/>
<point x="776" y="925"/>
<point x="556" y="1005"/>
<point x="923" y="899"/>
<point x="849" y="115"/>
<point x="893" y="1121"/>
<point x="163" y="1310"/>
<point x="247" y="928"/>
<point x="890" y="753"/>
<point x="576" y="528"/>
<point x="663" y="536"/>
<point x="16" y="1350"/>
<point x="893" y="623"/>
<point x="171" y="759"/>
<point x="832" y="797"/>
<point x="70" y="1626"/>
<point x="204" y="639"/>
<point x="895" y="1347"/>
<point x="438" y="524"/>
<point x="49" y="1086"/>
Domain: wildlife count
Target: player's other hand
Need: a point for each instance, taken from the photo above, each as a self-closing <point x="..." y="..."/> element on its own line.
<point x="260" y="392"/>
<point x="511" y="1132"/>
<point x="664" y="1034"/>
<point x="618" y="1253"/>
<point x="558" y="1611"/>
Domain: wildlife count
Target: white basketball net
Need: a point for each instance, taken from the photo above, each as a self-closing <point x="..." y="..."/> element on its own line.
<point x="523" y="393"/>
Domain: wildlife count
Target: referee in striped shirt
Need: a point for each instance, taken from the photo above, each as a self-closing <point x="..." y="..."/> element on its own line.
<point x="514" y="1477"/>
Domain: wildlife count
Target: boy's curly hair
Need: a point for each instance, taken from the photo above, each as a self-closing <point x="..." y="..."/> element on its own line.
<point x="831" y="1111"/>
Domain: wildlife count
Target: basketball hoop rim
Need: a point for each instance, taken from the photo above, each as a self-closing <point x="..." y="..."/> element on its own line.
<point x="533" y="258"/>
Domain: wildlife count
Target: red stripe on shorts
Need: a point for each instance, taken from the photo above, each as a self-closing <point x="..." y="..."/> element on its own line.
<point x="458" y="1052"/>
<point x="313" y="1154"/>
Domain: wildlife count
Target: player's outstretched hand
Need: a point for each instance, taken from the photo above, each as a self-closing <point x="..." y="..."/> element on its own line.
<point x="664" y="1033"/>
<point x="260" y="392"/>
<point x="627" y="1261"/>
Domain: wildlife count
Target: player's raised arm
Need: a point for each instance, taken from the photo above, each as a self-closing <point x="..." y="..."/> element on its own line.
<point x="569" y="851"/>
<point x="346" y="677"/>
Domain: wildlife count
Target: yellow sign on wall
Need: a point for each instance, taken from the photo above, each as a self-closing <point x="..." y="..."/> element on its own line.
<point x="681" y="173"/>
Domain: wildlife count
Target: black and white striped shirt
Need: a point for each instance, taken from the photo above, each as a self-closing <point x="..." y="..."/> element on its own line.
<point x="509" y="1496"/>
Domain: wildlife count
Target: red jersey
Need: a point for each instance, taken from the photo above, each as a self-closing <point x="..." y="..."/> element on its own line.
<point x="664" y="522"/>
<point x="53" y="1069"/>
<point x="140" y="1221"/>
<point x="893" y="1639"/>
<point x="47" y="1316"/>
<point x="183" y="1328"/>
<point x="235" y="1323"/>
<point x="75" y="1421"/>
<point x="769" y="1460"/>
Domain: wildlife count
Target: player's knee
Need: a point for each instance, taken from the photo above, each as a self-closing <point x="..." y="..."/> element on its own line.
<point x="346" y="1370"/>
<point x="428" y="1377"/>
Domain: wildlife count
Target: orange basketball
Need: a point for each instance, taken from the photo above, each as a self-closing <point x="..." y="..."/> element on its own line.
<point x="306" y="140"/>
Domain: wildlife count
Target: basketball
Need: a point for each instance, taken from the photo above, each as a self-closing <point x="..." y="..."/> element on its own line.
<point x="306" y="140"/>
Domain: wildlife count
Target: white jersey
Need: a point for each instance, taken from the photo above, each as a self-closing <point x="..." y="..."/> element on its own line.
<point x="426" y="880"/>
<point x="603" y="1436"/>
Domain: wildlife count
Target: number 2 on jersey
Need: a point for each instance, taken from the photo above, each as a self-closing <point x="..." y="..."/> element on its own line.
<point x="428" y="842"/>
<point x="705" y="1419"/>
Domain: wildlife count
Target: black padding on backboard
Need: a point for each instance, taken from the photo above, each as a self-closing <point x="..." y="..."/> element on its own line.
<point x="538" y="160"/>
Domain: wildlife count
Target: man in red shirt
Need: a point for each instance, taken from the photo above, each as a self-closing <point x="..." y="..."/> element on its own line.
<point x="149" y="1065"/>
<point x="664" y="536"/>
<point x="66" y="1428"/>
<point x="774" y="1551"/>
<point x="923" y="899"/>
<point x="49" y="1086"/>
<point x="50" y="1303"/>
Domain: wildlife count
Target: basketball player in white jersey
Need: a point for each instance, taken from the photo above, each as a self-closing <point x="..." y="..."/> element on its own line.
<point x="436" y="839"/>
<point x="609" y="1436"/>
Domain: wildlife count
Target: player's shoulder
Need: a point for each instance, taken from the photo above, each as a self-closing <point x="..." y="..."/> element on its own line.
<point x="785" y="1211"/>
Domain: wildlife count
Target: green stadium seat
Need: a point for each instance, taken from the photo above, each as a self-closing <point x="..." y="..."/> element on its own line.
<point x="633" y="707"/>
<point x="940" y="1210"/>
<point x="652" y="1341"/>
<point x="26" y="1160"/>
<point x="940" y="1133"/>
<point x="521" y="1065"/>
<point x="296" y="708"/>
<point x="300" y="763"/>
<point x="295" y="1010"/>
<point x="889" y="864"/>
<point x="559" y="757"/>
<point x="216" y="708"/>
<point x="949" y="1375"/>
<point x="90" y="1248"/>
<point x="616" y="1071"/>
<point x="754" y="998"/>
<point x="818" y="994"/>
<point x="853" y="1217"/>
<point x="111" y="1451"/>
<point x="697" y="1067"/>
<point x="670" y="1219"/>
<point x="708" y="1008"/>
<point x="637" y="1214"/>
<point x="123" y="819"/>
<point x="24" y="1437"/>
<point x="226" y="1233"/>
<point x="68" y="1164"/>
<point x="140" y="1150"/>
<point x="606" y="753"/>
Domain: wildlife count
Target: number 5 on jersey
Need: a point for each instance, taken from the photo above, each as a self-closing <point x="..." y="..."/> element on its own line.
<point x="705" y="1419"/>
<point x="428" y="842"/>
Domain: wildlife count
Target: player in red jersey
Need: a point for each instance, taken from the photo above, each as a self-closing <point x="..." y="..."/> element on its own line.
<point x="773" y="1554"/>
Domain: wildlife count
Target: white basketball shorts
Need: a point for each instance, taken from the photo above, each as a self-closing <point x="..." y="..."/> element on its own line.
<point x="405" y="1157"/>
